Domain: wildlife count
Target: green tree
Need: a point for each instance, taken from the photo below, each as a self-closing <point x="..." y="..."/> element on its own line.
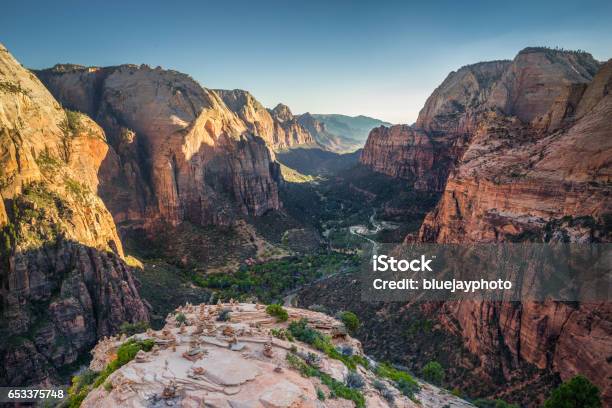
<point x="578" y="392"/>
<point x="433" y="372"/>
<point x="350" y="320"/>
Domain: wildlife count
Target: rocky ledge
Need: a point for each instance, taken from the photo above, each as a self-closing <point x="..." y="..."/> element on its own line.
<point x="237" y="355"/>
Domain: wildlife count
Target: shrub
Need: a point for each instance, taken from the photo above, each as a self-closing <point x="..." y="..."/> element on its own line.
<point x="225" y="315"/>
<point x="281" y="334"/>
<point x="130" y="329"/>
<point x="433" y="372"/>
<point x="577" y="392"/>
<point x="88" y="380"/>
<point x="350" y="320"/>
<point x="354" y="380"/>
<point x="180" y="318"/>
<point x="277" y="311"/>
<point x="337" y="389"/>
<point x="320" y="394"/>
<point x="388" y="395"/>
<point x="379" y="385"/>
<point x="346" y="350"/>
<point x="403" y="381"/>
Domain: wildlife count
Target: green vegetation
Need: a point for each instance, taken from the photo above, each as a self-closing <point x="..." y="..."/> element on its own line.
<point x="350" y="320"/>
<point x="320" y="394"/>
<point x="78" y="190"/>
<point x="88" y="380"/>
<point x="12" y="88"/>
<point x="403" y="381"/>
<point x="48" y="164"/>
<point x="337" y="389"/>
<point x="130" y="329"/>
<point x="281" y="334"/>
<point x="575" y="393"/>
<point x="271" y="280"/>
<point x="71" y="126"/>
<point x="301" y="331"/>
<point x="293" y="176"/>
<point x="277" y="311"/>
<point x="180" y="318"/>
<point x="433" y="372"/>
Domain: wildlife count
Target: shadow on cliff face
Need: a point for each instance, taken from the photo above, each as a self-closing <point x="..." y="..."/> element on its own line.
<point x="57" y="301"/>
<point x="414" y="334"/>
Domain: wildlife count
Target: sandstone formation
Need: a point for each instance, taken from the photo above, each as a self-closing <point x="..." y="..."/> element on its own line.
<point x="530" y="148"/>
<point x="181" y="153"/>
<point x="64" y="282"/>
<point x="403" y="152"/>
<point x="240" y="363"/>
<point x="540" y="87"/>
<point x="278" y="127"/>
<point x="514" y="183"/>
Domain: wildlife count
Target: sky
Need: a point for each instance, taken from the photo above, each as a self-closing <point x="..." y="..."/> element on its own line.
<point x="375" y="58"/>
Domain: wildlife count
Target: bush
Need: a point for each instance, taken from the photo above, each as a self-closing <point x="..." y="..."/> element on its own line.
<point x="180" y="318"/>
<point x="337" y="389"/>
<point x="320" y="394"/>
<point x="403" y="381"/>
<point x="350" y="320"/>
<point x="346" y="350"/>
<point x="577" y="392"/>
<point x="354" y="380"/>
<point x="281" y="334"/>
<point x="277" y="311"/>
<point x="225" y="315"/>
<point x="88" y="380"/>
<point x="433" y="373"/>
<point x="130" y="329"/>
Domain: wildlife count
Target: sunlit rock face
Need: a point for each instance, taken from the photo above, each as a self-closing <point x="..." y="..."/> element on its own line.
<point x="242" y="360"/>
<point x="278" y="127"/>
<point x="182" y="154"/>
<point x="530" y="144"/>
<point x="64" y="281"/>
<point x="516" y="181"/>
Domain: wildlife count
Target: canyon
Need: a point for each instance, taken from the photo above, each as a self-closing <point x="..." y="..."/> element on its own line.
<point x="91" y="157"/>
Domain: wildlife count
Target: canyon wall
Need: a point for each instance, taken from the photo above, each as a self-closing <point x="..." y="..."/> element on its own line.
<point x="278" y="127"/>
<point x="516" y="182"/>
<point x="530" y="160"/>
<point x="64" y="283"/>
<point x="182" y="154"/>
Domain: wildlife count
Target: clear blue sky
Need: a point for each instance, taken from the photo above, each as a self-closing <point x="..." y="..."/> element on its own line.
<point x="376" y="58"/>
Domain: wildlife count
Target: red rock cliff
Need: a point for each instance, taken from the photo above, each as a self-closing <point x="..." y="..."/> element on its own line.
<point x="64" y="281"/>
<point x="181" y="153"/>
<point x="544" y="176"/>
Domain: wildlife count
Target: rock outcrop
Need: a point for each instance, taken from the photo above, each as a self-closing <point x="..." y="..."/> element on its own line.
<point x="247" y="360"/>
<point x="64" y="281"/>
<point x="517" y="182"/>
<point x="404" y="152"/>
<point x="540" y="87"/>
<point x="278" y="127"/>
<point x="181" y="153"/>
